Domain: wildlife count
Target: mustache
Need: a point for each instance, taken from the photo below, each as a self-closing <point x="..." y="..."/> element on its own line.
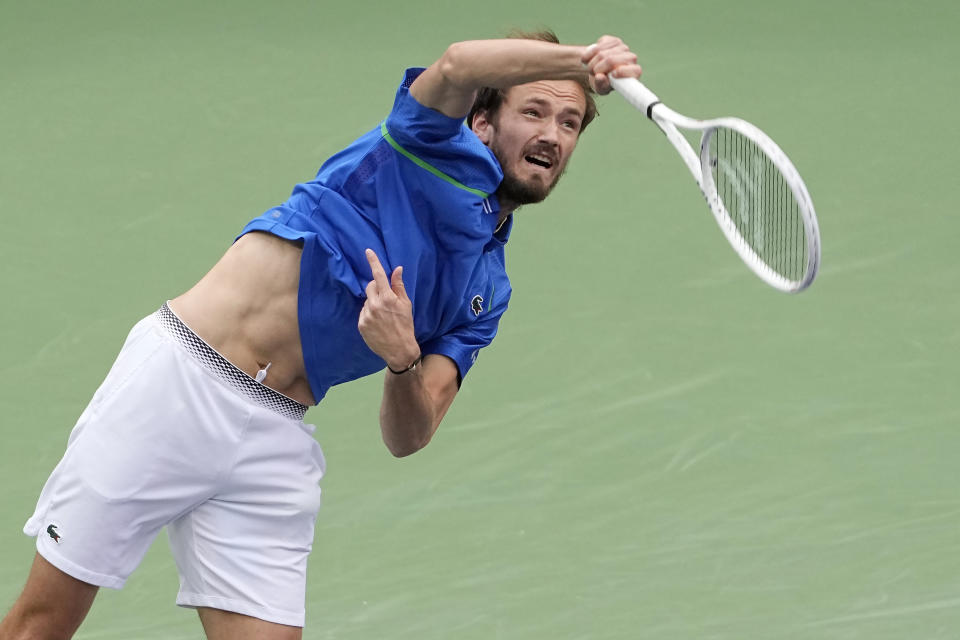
<point x="543" y="149"/>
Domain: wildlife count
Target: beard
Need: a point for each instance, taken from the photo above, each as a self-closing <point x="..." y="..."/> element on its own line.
<point x="520" y="192"/>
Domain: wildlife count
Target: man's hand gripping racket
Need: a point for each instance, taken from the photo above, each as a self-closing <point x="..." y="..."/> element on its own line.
<point x="749" y="183"/>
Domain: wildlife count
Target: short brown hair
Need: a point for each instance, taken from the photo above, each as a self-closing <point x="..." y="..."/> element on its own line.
<point x="489" y="99"/>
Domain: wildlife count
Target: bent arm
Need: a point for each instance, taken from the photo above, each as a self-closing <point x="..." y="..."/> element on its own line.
<point x="415" y="402"/>
<point x="450" y="84"/>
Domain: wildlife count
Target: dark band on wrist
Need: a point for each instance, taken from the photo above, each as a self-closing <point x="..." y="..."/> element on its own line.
<point x="412" y="366"/>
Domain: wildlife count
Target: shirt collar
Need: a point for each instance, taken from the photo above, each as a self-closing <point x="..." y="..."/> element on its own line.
<point x="491" y="209"/>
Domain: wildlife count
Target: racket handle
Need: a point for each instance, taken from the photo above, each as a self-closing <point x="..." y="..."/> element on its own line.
<point x="635" y="93"/>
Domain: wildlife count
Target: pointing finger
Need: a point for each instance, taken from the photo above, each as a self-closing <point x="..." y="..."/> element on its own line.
<point x="379" y="275"/>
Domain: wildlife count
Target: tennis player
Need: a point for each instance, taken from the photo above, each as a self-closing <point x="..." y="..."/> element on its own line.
<point x="393" y="256"/>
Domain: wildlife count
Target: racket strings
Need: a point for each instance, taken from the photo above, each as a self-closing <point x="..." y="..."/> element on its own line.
<point x="759" y="202"/>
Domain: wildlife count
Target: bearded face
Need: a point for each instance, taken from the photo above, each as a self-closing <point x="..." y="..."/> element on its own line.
<point x="532" y="135"/>
<point x="520" y="187"/>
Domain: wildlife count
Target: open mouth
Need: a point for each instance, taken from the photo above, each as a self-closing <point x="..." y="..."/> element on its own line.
<point x="539" y="160"/>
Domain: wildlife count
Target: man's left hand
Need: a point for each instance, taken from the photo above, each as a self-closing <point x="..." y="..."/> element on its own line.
<point x="386" y="320"/>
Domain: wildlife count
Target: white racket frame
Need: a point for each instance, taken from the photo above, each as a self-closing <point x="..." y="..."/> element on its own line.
<point x="700" y="167"/>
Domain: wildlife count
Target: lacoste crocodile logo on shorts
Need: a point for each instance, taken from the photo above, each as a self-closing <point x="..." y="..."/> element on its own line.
<point x="52" y="531"/>
<point x="477" y="305"/>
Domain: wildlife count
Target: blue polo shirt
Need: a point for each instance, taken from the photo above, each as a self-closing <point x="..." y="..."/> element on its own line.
<point x="417" y="189"/>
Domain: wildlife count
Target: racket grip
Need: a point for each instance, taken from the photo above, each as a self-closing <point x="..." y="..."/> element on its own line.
<point x="635" y="93"/>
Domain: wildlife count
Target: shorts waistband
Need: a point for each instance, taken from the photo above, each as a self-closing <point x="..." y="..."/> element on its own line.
<point x="228" y="372"/>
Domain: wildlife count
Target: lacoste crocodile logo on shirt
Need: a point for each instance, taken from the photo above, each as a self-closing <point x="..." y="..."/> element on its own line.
<point x="52" y="531"/>
<point x="477" y="305"/>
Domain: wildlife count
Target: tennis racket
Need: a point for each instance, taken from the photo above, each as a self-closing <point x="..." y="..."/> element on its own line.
<point x="752" y="188"/>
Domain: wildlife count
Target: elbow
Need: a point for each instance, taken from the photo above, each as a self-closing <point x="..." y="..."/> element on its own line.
<point x="453" y="62"/>
<point x="402" y="452"/>
<point x="406" y="448"/>
<point x="406" y="443"/>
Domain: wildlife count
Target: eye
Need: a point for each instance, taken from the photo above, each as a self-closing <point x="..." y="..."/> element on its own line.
<point x="570" y="124"/>
<point x="531" y="112"/>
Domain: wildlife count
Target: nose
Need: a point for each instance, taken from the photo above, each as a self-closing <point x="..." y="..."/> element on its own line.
<point x="549" y="132"/>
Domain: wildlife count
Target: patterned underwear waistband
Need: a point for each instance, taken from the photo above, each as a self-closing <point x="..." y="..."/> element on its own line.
<point x="226" y="370"/>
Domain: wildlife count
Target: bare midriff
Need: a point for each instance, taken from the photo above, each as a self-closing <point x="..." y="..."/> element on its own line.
<point x="246" y="309"/>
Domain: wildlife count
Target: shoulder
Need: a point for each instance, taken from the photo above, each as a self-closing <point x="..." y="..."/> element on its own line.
<point x="438" y="143"/>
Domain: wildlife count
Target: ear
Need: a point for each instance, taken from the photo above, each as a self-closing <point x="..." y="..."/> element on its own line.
<point x="482" y="127"/>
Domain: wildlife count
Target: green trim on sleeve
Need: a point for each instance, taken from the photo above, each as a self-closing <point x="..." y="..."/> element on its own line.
<point x="423" y="165"/>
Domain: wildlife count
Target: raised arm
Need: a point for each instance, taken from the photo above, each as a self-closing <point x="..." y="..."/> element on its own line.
<point x="450" y="84"/>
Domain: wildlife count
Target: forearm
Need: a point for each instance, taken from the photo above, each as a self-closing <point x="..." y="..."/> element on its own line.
<point x="474" y="64"/>
<point x="450" y="85"/>
<point x="415" y="400"/>
<point x="407" y="413"/>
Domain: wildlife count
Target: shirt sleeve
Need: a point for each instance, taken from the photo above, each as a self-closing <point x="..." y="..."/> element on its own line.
<point x="463" y="344"/>
<point x="440" y="144"/>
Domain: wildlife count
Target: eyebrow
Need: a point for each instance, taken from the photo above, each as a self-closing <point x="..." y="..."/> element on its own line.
<point x="546" y="103"/>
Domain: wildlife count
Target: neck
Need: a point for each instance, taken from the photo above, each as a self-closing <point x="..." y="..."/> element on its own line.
<point x="507" y="207"/>
<point x="501" y="220"/>
<point x="504" y="214"/>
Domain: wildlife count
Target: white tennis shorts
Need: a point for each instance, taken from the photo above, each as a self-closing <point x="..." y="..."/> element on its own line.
<point x="178" y="436"/>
